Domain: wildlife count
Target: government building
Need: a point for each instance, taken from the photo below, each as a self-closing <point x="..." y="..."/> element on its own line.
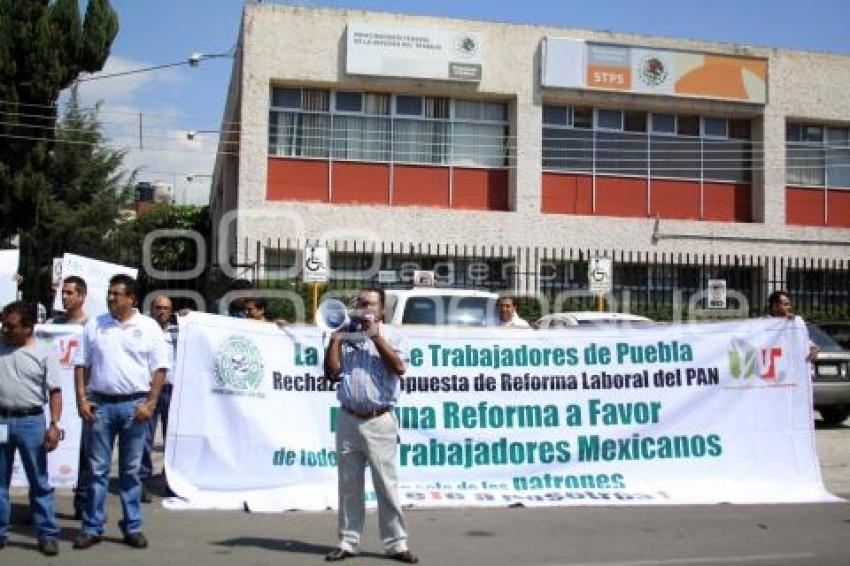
<point x="506" y="156"/>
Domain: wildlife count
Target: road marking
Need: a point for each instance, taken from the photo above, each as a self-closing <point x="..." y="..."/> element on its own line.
<point x="699" y="560"/>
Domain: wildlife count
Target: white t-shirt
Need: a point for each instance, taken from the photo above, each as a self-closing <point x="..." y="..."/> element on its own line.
<point x="516" y="322"/>
<point x="122" y="356"/>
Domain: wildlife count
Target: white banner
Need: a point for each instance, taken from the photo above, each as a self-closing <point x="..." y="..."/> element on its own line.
<point x="62" y="463"/>
<point x="425" y="53"/>
<point x="8" y="270"/>
<point x="96" y="274"/>
<point x="668" y="414"/>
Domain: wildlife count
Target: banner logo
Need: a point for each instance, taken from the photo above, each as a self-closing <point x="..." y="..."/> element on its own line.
<point x="238" y="366"/>
<point x="747" y="362"/>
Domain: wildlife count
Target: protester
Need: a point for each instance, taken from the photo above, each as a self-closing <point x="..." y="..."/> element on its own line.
<point x="779" y="305"/>
<point x="127" y="360"/>
<point x="368" y="370"/>
<point x="29" y="378"/>
<point x="74" y="292"/>
<point x="256" y="309"/>
<point x="162" y="312"/>
<point x="506" y="308"/>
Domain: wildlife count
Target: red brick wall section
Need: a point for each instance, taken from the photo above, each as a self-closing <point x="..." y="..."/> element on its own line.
<point x="480" y="189"/>
<point x="618" y="196"/>
<point x="804" y="206"/>
<point x="565" y="193"/>
<point x="838" y="208"/>
<point x="674" y="199"/>
<point x="297" y="179"/>
<point x="727" y="202"/>
<point x="360" y="183"/>
<point x="421" y="186"/>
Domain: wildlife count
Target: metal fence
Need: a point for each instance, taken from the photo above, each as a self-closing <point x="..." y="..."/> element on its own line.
<point x="663" y="286"/>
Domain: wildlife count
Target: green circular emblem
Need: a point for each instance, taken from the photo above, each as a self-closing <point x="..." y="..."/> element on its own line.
<point x="652" y="71"/>
<point x="239" y="364"/>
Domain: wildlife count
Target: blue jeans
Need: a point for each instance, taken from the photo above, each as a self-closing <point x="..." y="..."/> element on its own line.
<point x="26" y="434"/>
<point x="160" y="413"/>
<point x="113" y="419"/>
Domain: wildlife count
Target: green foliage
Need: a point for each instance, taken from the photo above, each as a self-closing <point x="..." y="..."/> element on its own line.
<point x="167" y="254"/>
<point x="80" y="213"/>
<point x="43" y="48"/>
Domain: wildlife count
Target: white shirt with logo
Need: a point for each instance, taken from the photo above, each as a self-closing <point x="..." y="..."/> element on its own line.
<point x="122" y="356"/>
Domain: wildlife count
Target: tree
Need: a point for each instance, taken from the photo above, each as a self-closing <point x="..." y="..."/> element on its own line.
<point x="168" y="254"/>
<point x="81" y="211"/>
<point x="43" y="49"/>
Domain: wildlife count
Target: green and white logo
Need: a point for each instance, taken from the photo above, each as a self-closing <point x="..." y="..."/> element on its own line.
<point x="742" y="360"/>
<point x="652" y="71"/>
<point x="239" y="364"/>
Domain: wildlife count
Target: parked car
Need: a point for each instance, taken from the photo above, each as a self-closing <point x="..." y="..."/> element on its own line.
<point x="831" y="379"/>
<point x="589" y="318"/>
<point x="440" y="306"/>
<point x="840" y="332"/>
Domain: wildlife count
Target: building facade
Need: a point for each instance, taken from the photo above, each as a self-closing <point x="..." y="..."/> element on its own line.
<point x="360" y="129"/>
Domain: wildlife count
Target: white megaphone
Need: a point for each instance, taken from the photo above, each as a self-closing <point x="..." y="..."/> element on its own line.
<point x="332" y="315"/>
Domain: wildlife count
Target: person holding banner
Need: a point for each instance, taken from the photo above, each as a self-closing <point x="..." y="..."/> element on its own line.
<point x="120" y="369"/>
<point x="368" y="363"/>
<point x="29" y="378"/>
<point x="779" y="305"/>
<point x="508" y="317"/>
<point x="74" y="291"/>
<point x="162" y="312"/>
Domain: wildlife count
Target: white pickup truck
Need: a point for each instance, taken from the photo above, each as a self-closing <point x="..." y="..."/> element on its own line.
<point x="440" y="306"/>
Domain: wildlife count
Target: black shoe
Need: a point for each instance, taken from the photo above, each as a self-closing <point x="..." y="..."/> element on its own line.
<point x="405" y="556"/>
<point x="85" y="540"/>
<point x="48" y="546"/>
<point x="136" y="540"/>
<point x="146" y="495"/>
<point x="339" y="554"/>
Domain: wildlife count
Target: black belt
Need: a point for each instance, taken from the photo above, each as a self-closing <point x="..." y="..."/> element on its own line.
<point x="7" y="412"/>
<point x="365" y="416"/>
<point x="107" y="398"/>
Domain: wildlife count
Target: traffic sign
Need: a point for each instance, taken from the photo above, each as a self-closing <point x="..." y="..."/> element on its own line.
<point x="315" y="265"/>
<point x="716" y="294"/>
<point x="599" y="274"/>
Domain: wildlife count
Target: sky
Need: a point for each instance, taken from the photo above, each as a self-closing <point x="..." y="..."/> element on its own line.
<point x="170" y="102"/>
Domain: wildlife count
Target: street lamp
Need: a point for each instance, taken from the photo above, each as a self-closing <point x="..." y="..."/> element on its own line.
<point x="193" y="61"/>
<point x="192" y="134"/>
<point x="196" y="57"/>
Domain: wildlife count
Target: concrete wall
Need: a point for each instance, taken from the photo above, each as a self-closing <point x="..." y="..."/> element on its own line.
<point x="306" y="47"/>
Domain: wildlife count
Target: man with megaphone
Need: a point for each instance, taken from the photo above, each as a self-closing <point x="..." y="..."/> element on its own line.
<point x="367" y="358"/>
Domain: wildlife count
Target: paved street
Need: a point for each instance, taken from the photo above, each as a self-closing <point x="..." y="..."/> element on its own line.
<point x="814" y="535"/>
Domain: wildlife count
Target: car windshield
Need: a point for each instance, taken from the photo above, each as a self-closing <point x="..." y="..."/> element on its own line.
<point x="617" y="322"/>
<point x="823" y="340"/>
<point x="448" y="310"/>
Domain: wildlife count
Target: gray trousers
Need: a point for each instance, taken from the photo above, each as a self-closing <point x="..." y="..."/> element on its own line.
<point x="371" y="441"/>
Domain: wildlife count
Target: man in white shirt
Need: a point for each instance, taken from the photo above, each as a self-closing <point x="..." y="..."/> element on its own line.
<point x="126" y="359"/>
<point x="74" y="292"/>
<point x="508" y="317"/>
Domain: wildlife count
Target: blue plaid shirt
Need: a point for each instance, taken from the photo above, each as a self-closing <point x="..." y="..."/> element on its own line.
<point x="366" y="384"/>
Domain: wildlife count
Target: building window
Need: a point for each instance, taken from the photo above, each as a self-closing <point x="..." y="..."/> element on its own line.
<point x="658" y="145"/>
<point x="387" y="128"/>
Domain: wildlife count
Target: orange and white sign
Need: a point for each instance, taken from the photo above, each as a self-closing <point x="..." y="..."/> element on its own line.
<point x="653" y="71"/>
